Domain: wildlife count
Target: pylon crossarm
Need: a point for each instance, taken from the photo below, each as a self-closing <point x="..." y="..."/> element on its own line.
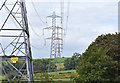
<point x="11" y="29"/>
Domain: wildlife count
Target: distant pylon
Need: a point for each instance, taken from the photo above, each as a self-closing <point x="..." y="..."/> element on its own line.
<point x="15" y="44"/>
<point x="56" y="37"/>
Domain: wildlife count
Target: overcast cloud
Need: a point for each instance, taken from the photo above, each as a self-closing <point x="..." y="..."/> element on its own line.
<point x="87" y="20"/>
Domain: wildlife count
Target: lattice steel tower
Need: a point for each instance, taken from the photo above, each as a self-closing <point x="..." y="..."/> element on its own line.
<point x="56" y="37"/>
<point x="15" y="50"/>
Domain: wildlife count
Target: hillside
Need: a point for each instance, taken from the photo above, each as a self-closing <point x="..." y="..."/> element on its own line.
<point x="59" y="60"/>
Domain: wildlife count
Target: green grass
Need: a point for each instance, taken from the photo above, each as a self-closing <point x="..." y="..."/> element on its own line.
<point x="65" y="71"/>
<point x="65" y="79"/>
<point x="3" y="77"/>
<point x="59" y="60"/>
<point x="62" y="76"/>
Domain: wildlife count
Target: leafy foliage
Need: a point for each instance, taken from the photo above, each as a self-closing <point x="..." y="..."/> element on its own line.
<point x="100" y="60"/>
<point x="41" y="65"/>
<point x="71" y="63"/>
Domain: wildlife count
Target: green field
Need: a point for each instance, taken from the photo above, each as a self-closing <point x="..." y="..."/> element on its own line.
<point x="59" y="60"/>
<point x="63" y="72"/>
<point x="66" y="75"/>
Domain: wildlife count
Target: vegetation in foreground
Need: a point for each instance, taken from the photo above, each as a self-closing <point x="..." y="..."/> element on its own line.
<point x="100" y="62"/>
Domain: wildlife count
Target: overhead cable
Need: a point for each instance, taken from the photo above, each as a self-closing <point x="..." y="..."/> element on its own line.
<point x="67" y="19"/>
<point x="37" y="13"/>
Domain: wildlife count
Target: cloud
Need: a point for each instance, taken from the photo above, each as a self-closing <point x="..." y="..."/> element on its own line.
<point x="73" y="0"/>
<point x="87" y="20"/>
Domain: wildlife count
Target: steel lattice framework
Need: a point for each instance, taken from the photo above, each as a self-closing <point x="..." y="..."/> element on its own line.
<point x="56" y="37"/>
<point x="15" y="43"/>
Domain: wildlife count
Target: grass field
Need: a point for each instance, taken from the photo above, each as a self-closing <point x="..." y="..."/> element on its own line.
<point x="66" y="75"/>
<point x="63" y="72"/>
<point x="59" y="60"/>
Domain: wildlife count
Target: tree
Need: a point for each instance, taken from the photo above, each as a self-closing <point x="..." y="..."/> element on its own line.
<point x="100" y="62"/>
<point x="41" y="65"/>
<point x="96" y="66"/>
<point x="67" y="64"/>
<point x="71" y="63"/>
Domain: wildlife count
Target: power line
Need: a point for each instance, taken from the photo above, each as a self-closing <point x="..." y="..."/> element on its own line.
<point x="34" y="31"/>
<point x="37" y="12"/>
<point x="62" y="12"/>
<point x="39" y="19"/>
<point x="67" y="19"/>
<point x="37" y="48"/>
<point x="40" y="37"/>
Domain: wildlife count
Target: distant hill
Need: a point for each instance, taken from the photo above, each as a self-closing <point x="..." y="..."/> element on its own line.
<point x="59" y="60"/>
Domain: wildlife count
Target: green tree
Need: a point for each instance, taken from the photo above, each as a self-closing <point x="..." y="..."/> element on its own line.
<point x="71" y="63"/>
<point x="67" y="64"/>
<point x="41" y="65"/>
<point x="96" y="66"/>
<point x="100" y="62"/>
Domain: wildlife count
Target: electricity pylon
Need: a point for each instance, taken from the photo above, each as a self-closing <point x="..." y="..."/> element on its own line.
<point x="56" y="38"/>
<point x="15" y="47"/>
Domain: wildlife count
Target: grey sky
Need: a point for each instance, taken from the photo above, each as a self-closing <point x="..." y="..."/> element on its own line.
<point x="87" y="20"/>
